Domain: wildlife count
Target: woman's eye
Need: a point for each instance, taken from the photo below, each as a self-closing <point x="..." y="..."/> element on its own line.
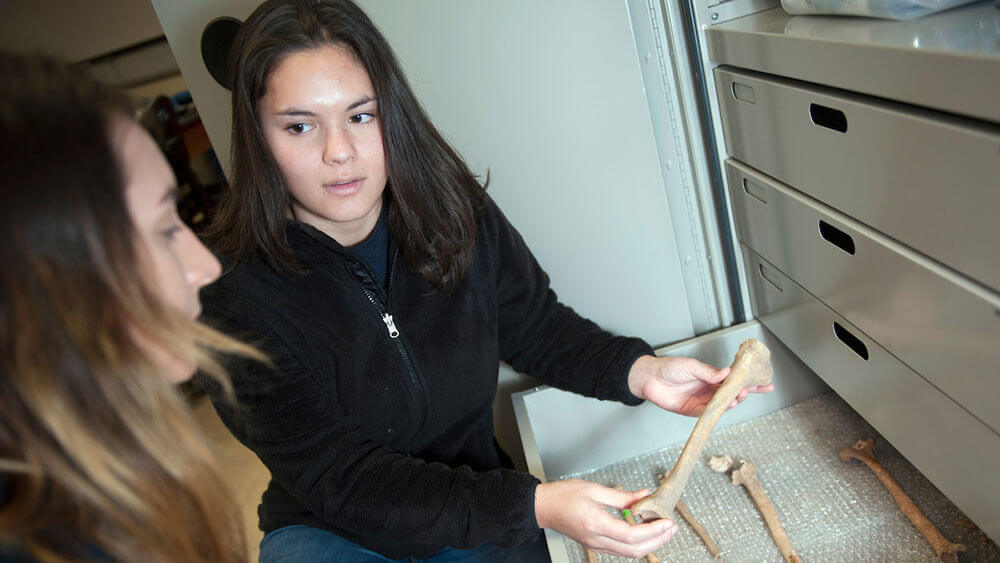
<point x="170" y="233"/>
<point x="299" y="128"/>
<point x="362" y="117"/>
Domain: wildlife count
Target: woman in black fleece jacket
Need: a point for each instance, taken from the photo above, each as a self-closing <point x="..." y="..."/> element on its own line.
<point x="367" y="260"/>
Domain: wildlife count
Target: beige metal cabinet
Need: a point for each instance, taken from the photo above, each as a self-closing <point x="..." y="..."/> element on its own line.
<point x="877" y="220"/>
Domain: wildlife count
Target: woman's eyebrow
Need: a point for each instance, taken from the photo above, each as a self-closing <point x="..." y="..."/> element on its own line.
<point x="295" y="112"/>
<point x="362" y="101"/>
<point x="301" y="112"/>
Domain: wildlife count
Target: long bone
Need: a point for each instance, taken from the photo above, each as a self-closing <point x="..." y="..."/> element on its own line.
<point x="687" y="515"/>
<point x="746" y="475"/>
<point x="864" y="450"/>
<point x="751" y="366"/>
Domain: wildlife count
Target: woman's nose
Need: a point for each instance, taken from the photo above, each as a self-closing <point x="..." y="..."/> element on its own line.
<point x="339" y="147"/>
<point x="201" y="266"/>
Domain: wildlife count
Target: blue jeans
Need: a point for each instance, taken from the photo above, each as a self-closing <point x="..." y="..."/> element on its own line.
<point x="293" y="544"/>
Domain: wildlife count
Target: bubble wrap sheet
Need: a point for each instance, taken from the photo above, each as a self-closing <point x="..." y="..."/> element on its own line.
<point x="831" y="510"/>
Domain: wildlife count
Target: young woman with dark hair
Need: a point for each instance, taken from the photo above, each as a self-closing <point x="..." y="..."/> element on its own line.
<point x="100" y="458"/>
<point x="387" y="286"/>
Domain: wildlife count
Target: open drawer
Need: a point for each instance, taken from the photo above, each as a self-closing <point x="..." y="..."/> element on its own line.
<point x="935" y="321"/>
<point x="563" y="433"/>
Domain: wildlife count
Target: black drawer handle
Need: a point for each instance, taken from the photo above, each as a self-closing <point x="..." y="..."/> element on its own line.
<point x="851" y="341"/>
<point x="828" y="117"/>
<point x="836" y="237"/>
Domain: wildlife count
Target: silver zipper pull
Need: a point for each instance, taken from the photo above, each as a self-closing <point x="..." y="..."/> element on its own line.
<point x="391" y="325"/>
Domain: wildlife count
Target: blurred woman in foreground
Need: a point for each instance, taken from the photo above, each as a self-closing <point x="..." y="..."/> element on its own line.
<point x="100" y="458"/>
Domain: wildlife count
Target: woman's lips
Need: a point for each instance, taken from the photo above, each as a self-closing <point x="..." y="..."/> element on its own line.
<point x="343" y="188"/>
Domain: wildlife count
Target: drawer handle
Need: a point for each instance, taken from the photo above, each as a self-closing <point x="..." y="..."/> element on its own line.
<point x="836" y="237"/>
<point x="828" y="117"/>
<point x="744" y="93"/>
<point x="769" y="277"/>
<point x="753" y="190"/>
<point x="851" y="341"/>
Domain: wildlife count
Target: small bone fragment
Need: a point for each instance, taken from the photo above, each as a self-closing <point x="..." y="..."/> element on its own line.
<point x="591" y="556"/>
<point x="746" y="475"/>
<point x="751" y="366"/>
<point x="687" y="515"/>
<point x="720" y="463"/>
<point x="864" y="450"/>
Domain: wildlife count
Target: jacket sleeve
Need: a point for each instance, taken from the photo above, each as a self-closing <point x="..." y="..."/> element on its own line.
<point x="546" y="339"/>
<point x="318" y="454"/>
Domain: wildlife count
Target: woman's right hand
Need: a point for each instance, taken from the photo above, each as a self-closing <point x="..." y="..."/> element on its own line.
<point x="577" y="509"/>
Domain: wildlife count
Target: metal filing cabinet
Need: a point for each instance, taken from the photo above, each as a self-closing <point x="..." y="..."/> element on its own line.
<point x="868" y="222"/>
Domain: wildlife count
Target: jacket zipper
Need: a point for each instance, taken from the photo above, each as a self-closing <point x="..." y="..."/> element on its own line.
<point x="390" y="325"/>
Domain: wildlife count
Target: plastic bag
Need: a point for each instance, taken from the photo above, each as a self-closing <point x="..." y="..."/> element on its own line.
<point x="889" y="9"/>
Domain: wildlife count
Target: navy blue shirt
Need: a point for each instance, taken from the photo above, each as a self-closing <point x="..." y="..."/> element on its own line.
<point x="374" y="250"/>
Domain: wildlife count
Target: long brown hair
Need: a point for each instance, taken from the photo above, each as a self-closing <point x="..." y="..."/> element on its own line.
<point x="99" y="453"/>
<point x="434" y="200"/>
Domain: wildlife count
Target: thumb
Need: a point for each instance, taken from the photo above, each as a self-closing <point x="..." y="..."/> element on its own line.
<point x="711" y="375"/>
<point x="618" y="498"/>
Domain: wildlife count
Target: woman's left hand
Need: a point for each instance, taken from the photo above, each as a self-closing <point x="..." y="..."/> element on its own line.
<point x="681" y="385"/>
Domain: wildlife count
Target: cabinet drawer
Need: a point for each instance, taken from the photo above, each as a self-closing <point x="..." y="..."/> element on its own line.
<point x="935" y="321"/>
<point x="954" y="450"/>
<point x="929" y="180"/>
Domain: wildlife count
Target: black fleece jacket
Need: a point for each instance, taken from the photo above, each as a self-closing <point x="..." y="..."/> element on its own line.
<point x="376" y="423"/>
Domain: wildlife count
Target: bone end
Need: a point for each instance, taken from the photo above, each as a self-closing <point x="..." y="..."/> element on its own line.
<point x="652" y="510"/>
<point x="860" y="449"/>
<point x="746" y="473"/>
<point x="720" y="463"/>
<point x="754" y="357"/>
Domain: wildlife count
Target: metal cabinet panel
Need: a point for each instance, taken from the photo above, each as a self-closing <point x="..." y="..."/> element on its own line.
<point x="954" y="450"/>
<point x="929" y="180"/>
<point x="933" y="320"/>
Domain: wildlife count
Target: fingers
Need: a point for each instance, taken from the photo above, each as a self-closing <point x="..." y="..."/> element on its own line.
<point x="612" y="535"/>
<point x="636" y="541"/>
<point x="752" y="389"/>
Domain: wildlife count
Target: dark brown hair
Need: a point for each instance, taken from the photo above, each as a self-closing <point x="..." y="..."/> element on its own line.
<point x="99" y="453"/>
<point x="434" y="200"/>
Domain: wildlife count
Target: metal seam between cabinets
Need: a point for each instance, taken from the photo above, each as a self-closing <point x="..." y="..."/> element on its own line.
<point x="694" y="222"/>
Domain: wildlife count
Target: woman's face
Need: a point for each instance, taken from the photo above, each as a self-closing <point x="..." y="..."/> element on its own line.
<point x="320" y="119"/>
<point x="174" y="263"/>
